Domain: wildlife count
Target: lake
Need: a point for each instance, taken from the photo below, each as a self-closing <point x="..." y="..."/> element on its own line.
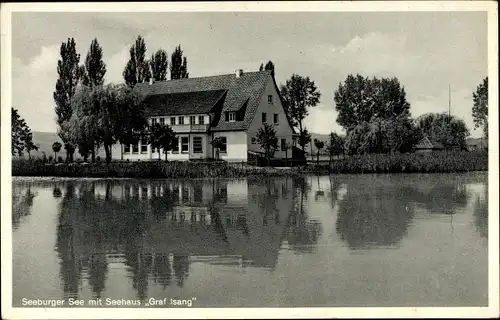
<point x="345" y="240"/>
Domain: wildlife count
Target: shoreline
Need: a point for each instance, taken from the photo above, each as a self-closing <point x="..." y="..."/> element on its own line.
<point x="449" y="162"/>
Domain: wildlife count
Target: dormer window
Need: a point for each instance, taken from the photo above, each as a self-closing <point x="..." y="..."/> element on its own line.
<point x="232" y="117"/>
<point x="270" y="98"/>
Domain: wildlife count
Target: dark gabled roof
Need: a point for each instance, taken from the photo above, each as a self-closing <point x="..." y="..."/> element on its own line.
<point x="249" y="87"/>
<point x="427" y="143"/>
<point x="198" y="102"/>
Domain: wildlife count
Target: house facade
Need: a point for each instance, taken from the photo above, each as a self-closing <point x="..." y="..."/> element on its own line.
<point x="232" y="107"/>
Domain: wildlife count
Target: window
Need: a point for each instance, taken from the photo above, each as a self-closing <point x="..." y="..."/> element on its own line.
<point x="175" y="147"/>
<point x="185" y="144"/>
<point x="153" y="121"/>
<point x="162" y="121"/>
<point x="181" y="120"/>
<point x="144" y="147"/>
<point x="172" y="121"/>
<point x="275" y="118"/>
<point x="232" y="117"/>
<point x="223" y="148"/>
<point x="135" y="148"/>
<point x="254" y="140"/>
<point x="269" y="99"/>
<point x="201" y="119"/>
<point x="283" y="144"/>
<point x="126" y="148"/>
<point x="197" y="145"/>
<point x="192" y="119"/>
<point x="264" y="117"/>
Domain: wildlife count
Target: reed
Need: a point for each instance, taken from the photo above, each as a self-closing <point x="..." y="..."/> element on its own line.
<point x="458" y="161"/>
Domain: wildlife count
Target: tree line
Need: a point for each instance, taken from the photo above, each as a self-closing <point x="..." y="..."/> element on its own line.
<point x="91" y="114"/>
<point x="376" y="117"/>
<point x="373" y="112"/>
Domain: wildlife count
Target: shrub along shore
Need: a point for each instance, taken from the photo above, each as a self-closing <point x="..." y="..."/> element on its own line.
<point x="441" y="162"/>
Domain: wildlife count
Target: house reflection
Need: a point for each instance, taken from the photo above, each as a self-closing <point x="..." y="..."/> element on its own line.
<point x="158" y="228"/>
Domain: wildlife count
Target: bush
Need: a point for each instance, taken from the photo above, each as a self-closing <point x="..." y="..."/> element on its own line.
<point x="59" y="159"/>
<point x="98" y="159"/>
<point x="51" y="158"/>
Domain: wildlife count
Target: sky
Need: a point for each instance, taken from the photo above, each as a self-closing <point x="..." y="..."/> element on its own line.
<point x="426" y="51"/>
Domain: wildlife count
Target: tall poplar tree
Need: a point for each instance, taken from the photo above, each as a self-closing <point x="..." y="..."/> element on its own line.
<point x="159" y="65"/>
<point x="69" y="74"/>
<point x="269" y="66"/>
<point x="137" y="69"/>
<point x="93" y="72"/>
<point x="178" y="65"/>
<point x="94" y="68"/>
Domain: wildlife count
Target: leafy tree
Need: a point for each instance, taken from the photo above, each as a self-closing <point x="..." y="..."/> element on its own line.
<point x="56" y="147"/>
<point x="69" y="75"/>
<point x="304" y="138"/>
<point x="335" y="145"/>
<point x="22" y="138"/>
<point x="28" y="142"/>
<point x="109" y="114"/>
<point x="137" y="69"/>
<point x="480" y="107"/>
<point x="162" y="136"/>
<point x="360" y="100"/>
<point x="448" y="130"/>
<point x="83" y="123"/>
<point x="319" y="145"/>
<point x="266" y="137"/>
<point x="269" y="66"/>
<point x="94" y="69"/>
<point x="217" y="144"/>
<point x="17" y="133"/>
<point x="178" y="65"/>
<point x="299" y="93"/>
<point x="159" y="65"/>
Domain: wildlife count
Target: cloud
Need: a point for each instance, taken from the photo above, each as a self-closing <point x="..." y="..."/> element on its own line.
<point x="32" y="88"/>
<point x="425" y="62"/>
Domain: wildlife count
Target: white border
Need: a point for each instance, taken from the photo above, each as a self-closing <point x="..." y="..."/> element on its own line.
<point x="228" y="313"/>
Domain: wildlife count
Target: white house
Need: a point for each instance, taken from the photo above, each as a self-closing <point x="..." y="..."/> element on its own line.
<point x="231" y="106"/>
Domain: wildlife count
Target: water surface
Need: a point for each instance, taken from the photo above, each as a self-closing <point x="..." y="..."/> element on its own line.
<point x="347" y="240"/>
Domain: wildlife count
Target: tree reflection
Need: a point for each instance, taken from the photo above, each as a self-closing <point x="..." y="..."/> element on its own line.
<point x="66" y="245"/>
<point x="302" y="234"/>
<point x="481" y="213"/>
<point x="443" y="198"/>
<point x="369" y="215"/>
<point x="22" y="202"/>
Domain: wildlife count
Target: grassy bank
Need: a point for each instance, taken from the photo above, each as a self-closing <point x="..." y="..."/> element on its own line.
<point x="402" y="163"/>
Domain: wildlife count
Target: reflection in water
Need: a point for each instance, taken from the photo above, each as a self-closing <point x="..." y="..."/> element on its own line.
<point x="481" y="213"/>
<point x="172" y="238"/>
<point x="157" y="228"/>
<point x="22" y="201"/>
<point x="379" y="212"/>
<point x="371" y="215"/>
<point x="442" y="198"/>
<point x="302" y="233"/>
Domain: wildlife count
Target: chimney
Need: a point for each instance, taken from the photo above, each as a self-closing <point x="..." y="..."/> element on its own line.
<point x="239" y="73"/>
